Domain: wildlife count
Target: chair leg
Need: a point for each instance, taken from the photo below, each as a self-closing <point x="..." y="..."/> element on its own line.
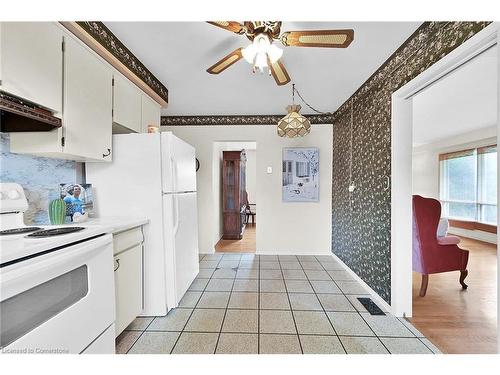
<point x="423" y="286"/>
<point x="463" y="275"/>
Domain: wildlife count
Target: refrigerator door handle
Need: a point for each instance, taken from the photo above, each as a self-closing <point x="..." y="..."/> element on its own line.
<point x="174" y="174"/>
<point x="176" y="213"/>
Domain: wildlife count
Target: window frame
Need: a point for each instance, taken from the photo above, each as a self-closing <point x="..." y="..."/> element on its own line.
<point x="480" y="224"/>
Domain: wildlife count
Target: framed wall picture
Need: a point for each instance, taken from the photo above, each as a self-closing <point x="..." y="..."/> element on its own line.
<point x="300" y="180"/>
<point x="78" y="198"/>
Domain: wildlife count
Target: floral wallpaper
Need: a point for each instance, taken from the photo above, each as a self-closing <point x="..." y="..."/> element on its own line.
<point x="39" y="177"/>
<point x="361" y="221"/>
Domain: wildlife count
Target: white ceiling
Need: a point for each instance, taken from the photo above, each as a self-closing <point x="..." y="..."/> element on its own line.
<point x="178" y="53"/>
<point x="461" y="102"/>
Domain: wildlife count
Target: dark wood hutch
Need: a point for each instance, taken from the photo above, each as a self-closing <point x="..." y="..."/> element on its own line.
<point x="233" y="194"/>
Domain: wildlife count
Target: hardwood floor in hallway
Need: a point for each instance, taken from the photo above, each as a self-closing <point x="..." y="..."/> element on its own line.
<point x="246" y="245"/>
<point x="456" y="320"/>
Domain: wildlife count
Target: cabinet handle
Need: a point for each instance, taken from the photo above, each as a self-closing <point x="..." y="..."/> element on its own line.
<point x="109" y="153"/>
<point x="117" y="261"/>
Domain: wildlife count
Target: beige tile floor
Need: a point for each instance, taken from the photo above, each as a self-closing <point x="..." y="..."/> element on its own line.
<point x="249" y="304"/>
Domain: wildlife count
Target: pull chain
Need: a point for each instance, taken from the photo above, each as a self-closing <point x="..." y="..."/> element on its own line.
<point x="352" y="187"/>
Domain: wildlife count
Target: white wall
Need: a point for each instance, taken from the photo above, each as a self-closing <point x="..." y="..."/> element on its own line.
<point x="426" y="168"/>
<point x="284" y="228"/>
<point x="216" y="189"/>
<point x="251" y="173"/>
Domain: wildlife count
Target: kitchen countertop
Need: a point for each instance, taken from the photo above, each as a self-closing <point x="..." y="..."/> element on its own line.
<point x="115" y="224"/>
<point x="18" y="246"/>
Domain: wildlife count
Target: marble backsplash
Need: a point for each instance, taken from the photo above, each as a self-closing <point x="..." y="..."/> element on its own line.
<point x="40" y="178"/>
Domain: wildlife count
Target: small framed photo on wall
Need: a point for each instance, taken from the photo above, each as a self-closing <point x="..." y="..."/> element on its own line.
<point x="78" y="198"/>
<point x="300" y="180"/>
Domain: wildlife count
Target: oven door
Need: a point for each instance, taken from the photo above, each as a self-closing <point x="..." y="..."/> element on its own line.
<point x="59" y="302"/>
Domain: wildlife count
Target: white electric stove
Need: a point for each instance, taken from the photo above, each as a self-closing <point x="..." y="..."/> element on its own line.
<point x="56" y="283"/>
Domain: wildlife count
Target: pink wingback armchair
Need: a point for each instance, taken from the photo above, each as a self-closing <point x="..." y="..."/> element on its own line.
<point x="431" y="255"/>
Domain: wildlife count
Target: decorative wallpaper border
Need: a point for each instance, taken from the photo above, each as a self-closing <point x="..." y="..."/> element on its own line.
<point x="112" y="44"/>
<point x="236" y="120"/>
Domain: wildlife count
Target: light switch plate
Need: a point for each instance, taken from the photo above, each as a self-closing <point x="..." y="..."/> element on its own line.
<point x="269" y="170"/>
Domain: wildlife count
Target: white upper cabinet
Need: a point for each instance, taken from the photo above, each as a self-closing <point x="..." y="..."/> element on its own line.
<point x="126" y="104"/>
<point x="45" y="64"/>
<point x="151" y="113"/>
<point x="31" y="62"/>
<point x="88" y="98"/>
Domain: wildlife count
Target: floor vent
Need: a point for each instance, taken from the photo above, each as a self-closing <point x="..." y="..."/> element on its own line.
<point x="370" y="306"/>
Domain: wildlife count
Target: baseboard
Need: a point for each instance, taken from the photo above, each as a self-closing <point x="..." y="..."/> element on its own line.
<point x="260" y="252"/>
<point x="377" y="299"/>
<point x="474" y="234"/>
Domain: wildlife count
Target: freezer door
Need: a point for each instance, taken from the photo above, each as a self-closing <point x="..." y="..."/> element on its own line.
<point x="179" y="164"/>
<point x="184" y="243"/>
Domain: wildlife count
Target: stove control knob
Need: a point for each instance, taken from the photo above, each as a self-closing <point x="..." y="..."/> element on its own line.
<point x="14" y="194"/>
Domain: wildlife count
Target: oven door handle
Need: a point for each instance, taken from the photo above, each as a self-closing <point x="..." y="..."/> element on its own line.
<point x="25" y="277"/>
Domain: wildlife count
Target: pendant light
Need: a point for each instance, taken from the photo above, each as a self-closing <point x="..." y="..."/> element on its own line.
<point x="293" y="124"/>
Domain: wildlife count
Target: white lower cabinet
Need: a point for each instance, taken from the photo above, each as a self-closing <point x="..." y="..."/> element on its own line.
<point x="128" y="278"/>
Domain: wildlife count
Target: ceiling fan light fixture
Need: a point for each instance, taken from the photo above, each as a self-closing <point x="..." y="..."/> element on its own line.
<point x="293" y="124"/>
<point x="258" y="52"/>
<point x="249" y="53"/>
<point x="274" y="53"/>
<point x="261" y="61"/>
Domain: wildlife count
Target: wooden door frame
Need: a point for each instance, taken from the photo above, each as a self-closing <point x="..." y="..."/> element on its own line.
<point x="401" y="161"/>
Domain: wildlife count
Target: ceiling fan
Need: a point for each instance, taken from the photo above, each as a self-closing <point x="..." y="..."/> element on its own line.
<point x="262" y="53"/>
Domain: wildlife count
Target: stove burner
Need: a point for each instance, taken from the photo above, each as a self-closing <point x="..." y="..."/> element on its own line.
<point x="18" y="230"/>
<point x="54" y="232"/>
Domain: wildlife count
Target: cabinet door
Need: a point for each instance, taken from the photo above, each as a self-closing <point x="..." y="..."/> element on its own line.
<point x="31" y="62"/>
<point x="88" y="96"/>
<point x="150" y="113"/>
<point x="128" y="287"/>
<point x="126" y="104"/>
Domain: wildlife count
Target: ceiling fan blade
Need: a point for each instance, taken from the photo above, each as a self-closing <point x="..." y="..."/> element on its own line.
<point x="233" y="26"/>
<point x="279" y="72"/>
<point x="225" y="62"/>
<point x="318" y="38"/>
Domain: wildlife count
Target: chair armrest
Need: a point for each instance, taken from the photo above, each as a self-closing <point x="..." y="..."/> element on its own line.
<point x="448" y="240"/>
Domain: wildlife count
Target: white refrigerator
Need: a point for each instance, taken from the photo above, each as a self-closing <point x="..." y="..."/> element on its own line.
<point x="154" y="176"/>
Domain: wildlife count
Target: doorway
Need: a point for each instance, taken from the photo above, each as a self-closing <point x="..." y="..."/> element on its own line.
<point x="466" y="313"/>
<point x="234" y="190"/>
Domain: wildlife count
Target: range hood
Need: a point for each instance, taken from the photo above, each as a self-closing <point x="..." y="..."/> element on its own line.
<point x="19" y="115"/>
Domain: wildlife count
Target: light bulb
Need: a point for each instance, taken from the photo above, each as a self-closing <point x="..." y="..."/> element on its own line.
<point x="262" y="42"/>
<point x="274" y="53"/>
<point x="249" y="53"/>
<point x="261" y="60"/>
<point x="259" y="51"/>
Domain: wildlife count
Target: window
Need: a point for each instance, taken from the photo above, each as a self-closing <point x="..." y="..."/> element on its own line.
<point x="468" y="184"/>
<point x="302" y="169"/>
